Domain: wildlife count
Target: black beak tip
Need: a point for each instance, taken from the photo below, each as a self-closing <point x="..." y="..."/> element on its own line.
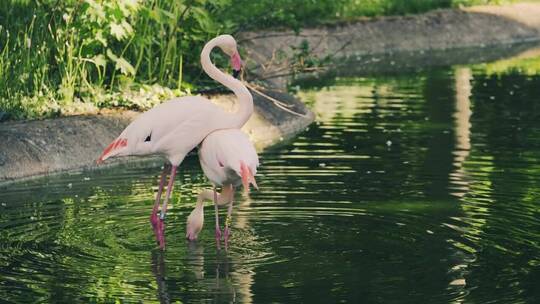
<point x="236" y="73"/>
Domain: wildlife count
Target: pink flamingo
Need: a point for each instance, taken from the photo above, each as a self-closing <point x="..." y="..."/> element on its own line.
<point x="228" y="159"/>
<point x="175" y="127"/>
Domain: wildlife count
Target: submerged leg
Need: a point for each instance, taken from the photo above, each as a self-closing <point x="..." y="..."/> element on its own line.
<point x="153" y="216"/>
<point x="157" y="225"/>
<point x="218" y="230"/>
<point x="161" y="223"/>
<point x="168" y="194"/>
<point x="228" y="220"/>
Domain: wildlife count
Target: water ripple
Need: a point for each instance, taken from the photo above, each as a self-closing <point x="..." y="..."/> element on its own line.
<point x="409" y="188"/>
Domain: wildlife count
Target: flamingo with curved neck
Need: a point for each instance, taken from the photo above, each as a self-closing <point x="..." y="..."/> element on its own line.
<point x="228" y="159"/>
<point x="173" y="128"/>
<point x="245" y="100"/>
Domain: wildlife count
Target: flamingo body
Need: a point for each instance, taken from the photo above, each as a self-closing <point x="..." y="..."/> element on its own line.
<point x="228" y="157"/>
<point x="171" y="129"/>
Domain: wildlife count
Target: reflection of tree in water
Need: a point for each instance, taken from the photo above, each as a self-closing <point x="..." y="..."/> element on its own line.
<point x="396" y="135"/>
<point x="91" y="229"/>
<point x="46" y="228"/>
<point x="392" y="143"/>
<point x="505" y="132"/>
<point x="462" y="117"/>
<point x="439" y="93"/>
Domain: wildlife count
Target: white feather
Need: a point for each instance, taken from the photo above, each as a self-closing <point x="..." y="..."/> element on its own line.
<point x="221" y="154"/>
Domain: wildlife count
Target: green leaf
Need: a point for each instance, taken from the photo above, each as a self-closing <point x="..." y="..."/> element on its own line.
<point x="100" y="38"/>
<point x="117" y="30"/>
<point x="127" y="27"/>
<point x="99" y="60"/>
<point x="121" y="64"/>
<point x="203" y="18"/>
<point x="96" y="10"/>
<point x="125" y="67"/>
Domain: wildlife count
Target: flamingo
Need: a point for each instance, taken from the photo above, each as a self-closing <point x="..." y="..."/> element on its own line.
<point x="228" y="159"/>
<point x="175" y="127"/>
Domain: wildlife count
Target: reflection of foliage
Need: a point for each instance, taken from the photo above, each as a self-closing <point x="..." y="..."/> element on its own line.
<point x="91" y="240"/>
<point x="504" y="170"/>
<point x="339" y="182"/>
<point x="524" y="66"/>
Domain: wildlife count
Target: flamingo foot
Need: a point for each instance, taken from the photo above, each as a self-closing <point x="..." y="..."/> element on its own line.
<point x="218" y="238"/>
<point x="226" y="233"/>
<point x="159" y="231"/>
<point x="154" y="220"/>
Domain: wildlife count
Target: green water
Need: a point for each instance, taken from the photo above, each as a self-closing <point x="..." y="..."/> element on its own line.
<point x="415" y="187"/>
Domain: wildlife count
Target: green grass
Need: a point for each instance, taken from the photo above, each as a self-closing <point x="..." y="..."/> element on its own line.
<point x="62" y="57"/>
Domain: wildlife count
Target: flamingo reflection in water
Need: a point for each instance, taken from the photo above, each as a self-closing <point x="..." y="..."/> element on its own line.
<point x="213" y="274"/>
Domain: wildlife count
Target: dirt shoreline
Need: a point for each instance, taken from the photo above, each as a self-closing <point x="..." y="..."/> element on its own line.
<point x="36" y="148"/>
<point x="272" y="53"/>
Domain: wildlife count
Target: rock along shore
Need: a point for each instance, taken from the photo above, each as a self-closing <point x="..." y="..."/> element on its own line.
<point x="35" y="148"/>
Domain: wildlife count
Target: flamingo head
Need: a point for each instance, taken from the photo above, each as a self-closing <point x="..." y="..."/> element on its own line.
<point x="229" y="47"/>
<point x="195" y="223"/>
<point x="128" y="143"/>
<point x="248" y="176"/>
<point x="113" y="149"/>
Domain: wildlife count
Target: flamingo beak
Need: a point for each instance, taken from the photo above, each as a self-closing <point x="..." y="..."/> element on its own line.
<point x="247" y="177"/>
<point x="111" y="149"/>
<point x="236" y="63"/>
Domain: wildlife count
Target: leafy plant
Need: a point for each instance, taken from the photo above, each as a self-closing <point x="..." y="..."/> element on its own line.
<point x="56" y="56"/>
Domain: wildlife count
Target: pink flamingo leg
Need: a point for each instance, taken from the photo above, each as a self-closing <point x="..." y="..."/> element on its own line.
<point x="218" y="230"/>
<point x="153" y="216"/>
<point x="170" y="187"/>
<point x="161" y="224"/>
<point x="160" y="234"/>
<point x="227" y="230"/>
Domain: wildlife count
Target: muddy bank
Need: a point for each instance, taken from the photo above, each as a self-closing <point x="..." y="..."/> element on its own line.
<point x="271" y="54"/>
<point x="35" y="148"/>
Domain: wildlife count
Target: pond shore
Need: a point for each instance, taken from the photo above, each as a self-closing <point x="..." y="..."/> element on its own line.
<point x="36" y="148"/>
<point x="271" y="54"/>
<point x="42" y="147"/>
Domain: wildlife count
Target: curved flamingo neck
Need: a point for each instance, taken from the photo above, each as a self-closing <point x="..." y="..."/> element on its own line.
<point x="204" y="195"/>
<point x="245" y="100"/>
<point x="224" y="197"/>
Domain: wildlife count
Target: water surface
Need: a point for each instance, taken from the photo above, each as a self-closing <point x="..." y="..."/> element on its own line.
<point x="412" y="187"/>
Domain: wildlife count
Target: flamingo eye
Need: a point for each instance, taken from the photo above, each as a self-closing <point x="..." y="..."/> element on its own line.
<point x="148" y="138"/>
